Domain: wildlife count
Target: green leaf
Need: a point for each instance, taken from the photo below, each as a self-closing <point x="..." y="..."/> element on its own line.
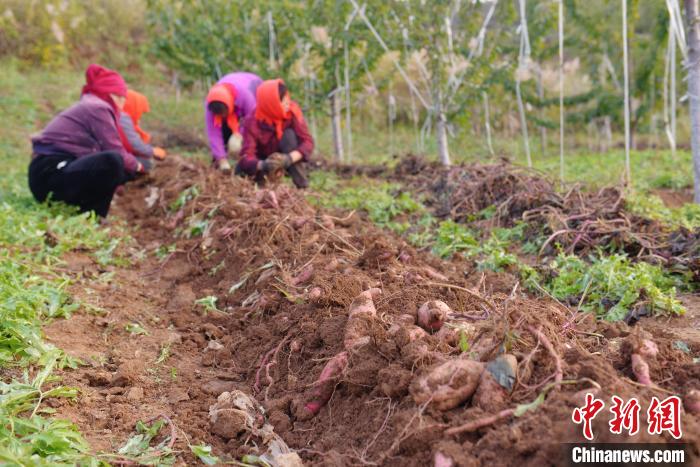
<point x="203" y="452"/>
<point x="136" y="328"/>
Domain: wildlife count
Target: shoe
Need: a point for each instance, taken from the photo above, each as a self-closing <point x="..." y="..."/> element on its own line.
<point x="223" y="165"/>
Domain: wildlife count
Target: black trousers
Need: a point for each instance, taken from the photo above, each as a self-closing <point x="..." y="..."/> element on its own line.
<point x="87" y="182"/>
<point x="288" y="143"/>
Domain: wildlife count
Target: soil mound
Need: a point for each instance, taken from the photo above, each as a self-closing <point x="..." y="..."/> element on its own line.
<point x="265" y="295"/>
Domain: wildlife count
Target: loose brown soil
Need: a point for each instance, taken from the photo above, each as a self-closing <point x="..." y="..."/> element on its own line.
<point x="274" y="333"/>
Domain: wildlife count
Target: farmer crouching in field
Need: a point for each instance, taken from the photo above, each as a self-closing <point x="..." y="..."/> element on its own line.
<point x="228" y="103"/>
<point x="79" y="158"/>
<point x="276" y="138"/>
<point x="134" y="139"/>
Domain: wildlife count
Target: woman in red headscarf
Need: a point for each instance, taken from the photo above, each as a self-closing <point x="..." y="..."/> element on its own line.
<point x="228" y="103"/>
<point x="79" y="157"/>
<point x="276" y="137"/>
<point x="135" y="139"/>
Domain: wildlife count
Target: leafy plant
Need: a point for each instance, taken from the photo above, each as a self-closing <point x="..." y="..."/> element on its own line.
<point x="136" y="328"/>
<point x="203" y="452"/>
<point x="138" y="448"/>
<point x="208" y="302"/>
<point x="452" y="237"/>
<point x="653" y="207"/>
<point x="612" y="285"/>
<point x="163" y="251"/>
<point x="187" y="195"/>
<point x="164" y="354"/>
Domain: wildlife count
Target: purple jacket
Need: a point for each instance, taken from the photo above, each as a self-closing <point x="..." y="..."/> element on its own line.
<point x="246" y="84"/>
<point x="87" y="127"/>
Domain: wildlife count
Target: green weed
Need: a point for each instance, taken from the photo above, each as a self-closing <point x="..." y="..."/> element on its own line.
<point x="652" y="207"/>
<point x="138" y="448"/>
<point x="610" y="286"/>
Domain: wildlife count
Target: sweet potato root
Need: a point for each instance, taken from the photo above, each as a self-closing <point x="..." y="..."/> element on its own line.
<point x="432" y="314"/>
<point x="448" y="384"/>
<point x="362" y="311"/>
<point x="323" y="388"/>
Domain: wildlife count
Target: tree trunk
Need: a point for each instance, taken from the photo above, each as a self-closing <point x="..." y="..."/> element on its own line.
<point x="692" y="11"/>
<point x="337" y="130"/>
<point x="441" y="129"/>
<point x="443" y="150"/>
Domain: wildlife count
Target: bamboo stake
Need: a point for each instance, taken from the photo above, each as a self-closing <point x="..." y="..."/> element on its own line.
<point x="628" y="175"/>
<point x="487" y="118"/>
<point x="561" y="91"/>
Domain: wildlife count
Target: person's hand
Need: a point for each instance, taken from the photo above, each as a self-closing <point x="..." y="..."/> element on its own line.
<point x="296" y="156"/>
<point x="223" y="165"/>
<point x="159" y="153"/>
<point x="274" y="162"/>
<point x="140" y="169"/>
<point x="235" y="143"/>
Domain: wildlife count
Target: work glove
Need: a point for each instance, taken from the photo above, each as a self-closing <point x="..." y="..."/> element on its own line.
<point x="223" y="165"/>
<point x="277" y="161"/>
<point x="235" y="143"/>
<point x="159" y="153"/>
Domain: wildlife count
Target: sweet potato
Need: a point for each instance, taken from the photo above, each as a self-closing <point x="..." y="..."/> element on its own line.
<point x="295" y="346"/>
<point x="332" y="265"/>
<point x="496" y="383"/>
<point x="394" y="381"/>
<point x="327" y="222"/>
<point x="441" y="460"/>
<point x="406" y="319"/>
<point x="304" y="276"/>
<point x="490" y="396"/>
<point x="267" y="199"/>
<point x="362" y="311"/>
<point x="404" y="334"/>
<point x="448" y="384"/>
<point x="433" y="274"/>
<point x="404" y="257"/>
<point x="452" y="334"/>
<point x="323" y="388"/>
<point x="640" y="368"/>
<point x="579" y="397"/>
<point x="691" y="402"/>
<point x="299" y="222"/>
<point x="432" y="314"/>
<point x="315" y="294"/>
<point x="647" y="349"/>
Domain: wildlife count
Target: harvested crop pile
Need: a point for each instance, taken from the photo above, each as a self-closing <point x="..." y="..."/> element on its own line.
<point x="362" y="350"/>
<point x="578" y="220"/>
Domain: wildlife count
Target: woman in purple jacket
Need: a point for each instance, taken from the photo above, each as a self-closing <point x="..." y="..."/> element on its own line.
<point x="228" y="103"/>
<point x="79" y="158"/>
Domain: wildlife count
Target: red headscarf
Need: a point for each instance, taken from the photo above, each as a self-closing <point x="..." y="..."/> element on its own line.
<point x="269" y="106"/>
<point x="225" y="93"/>
<point x="135" y="106"/>
<point x="102" y="82"/>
